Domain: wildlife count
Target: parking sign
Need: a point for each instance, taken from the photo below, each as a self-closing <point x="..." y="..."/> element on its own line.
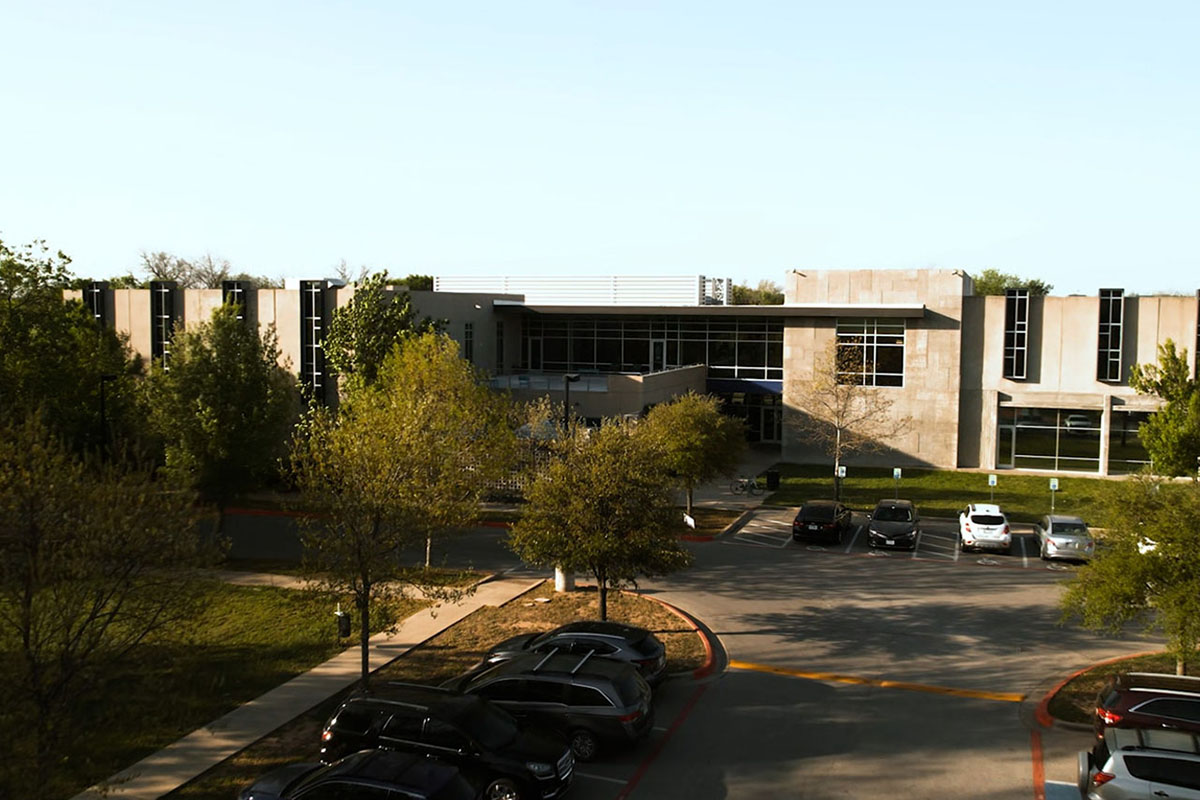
<point x="1054" y="484"/>
<point x="841" y="473"/>
<point x="896" y="473"/>
<point x="991" y="480"/>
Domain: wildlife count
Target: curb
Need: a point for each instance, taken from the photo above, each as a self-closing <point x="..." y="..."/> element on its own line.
<point x="1042" y="712"/>
<point x="710" y="656"/>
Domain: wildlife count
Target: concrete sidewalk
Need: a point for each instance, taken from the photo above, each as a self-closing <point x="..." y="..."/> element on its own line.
<point x="716" y="494"/>
<point x="178" y="763"/>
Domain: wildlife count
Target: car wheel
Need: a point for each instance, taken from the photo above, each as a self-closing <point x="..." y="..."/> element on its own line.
<point x="584" y="744"/>
<point x="502" y="789"/>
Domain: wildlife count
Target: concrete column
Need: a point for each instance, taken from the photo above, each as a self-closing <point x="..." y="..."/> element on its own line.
<point x="563" y="581"/>
<point x="1105" y="427"/>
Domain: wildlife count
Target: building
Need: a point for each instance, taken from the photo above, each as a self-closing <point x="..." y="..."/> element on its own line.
<point x="1013" y="382"/>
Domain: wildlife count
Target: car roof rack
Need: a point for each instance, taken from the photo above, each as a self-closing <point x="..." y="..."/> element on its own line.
<point x="413" y="685"/>
<point x="582" y="661"/>
<point x="553" y="652"/>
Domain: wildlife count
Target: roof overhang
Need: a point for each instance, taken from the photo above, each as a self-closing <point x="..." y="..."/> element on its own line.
<point x="887" y="310"/>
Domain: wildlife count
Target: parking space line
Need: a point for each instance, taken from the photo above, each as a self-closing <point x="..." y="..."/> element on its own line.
<point x="1024" y="553"/>
<point x="593" y="776"/>
<point x="916" y="545"/>
<point x="854" y="538"/>
<point x="1006" y="697"/>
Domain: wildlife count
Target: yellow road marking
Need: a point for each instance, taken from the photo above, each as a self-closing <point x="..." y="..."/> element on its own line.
<point x="1006" y="697"/>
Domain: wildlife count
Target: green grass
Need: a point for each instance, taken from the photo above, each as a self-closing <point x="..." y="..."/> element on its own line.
<point x="944" y="493"/>
<point x="248" y="640"/>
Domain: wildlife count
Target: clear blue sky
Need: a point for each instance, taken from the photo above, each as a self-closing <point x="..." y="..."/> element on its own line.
<point x="1053" y="140"/>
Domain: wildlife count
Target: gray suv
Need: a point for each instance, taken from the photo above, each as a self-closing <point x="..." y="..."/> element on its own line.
<point x="595" y="701"/>
<point x="1141" y="764"/>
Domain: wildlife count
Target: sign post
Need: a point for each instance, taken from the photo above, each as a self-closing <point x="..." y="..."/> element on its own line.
<point x="992" y="486"/>
<point x="1053" y="490"/>
<point x="896" y="478"/>
<point x="837" y="482"/>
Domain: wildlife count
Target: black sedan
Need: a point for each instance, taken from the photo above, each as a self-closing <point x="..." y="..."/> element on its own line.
<point x="615" y="640"/>
<point x="824" y="519"/>
<point x="368" y="773"/>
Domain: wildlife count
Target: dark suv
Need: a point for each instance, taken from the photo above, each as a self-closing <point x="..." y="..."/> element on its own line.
<point x="894" y="523"/>
<point x="367" y="775"/>
<point x="827" y="519"/>
<point x="615" y="640"/>
<point x="519" y="761"/>
<point x="1148" y="700"/>
<point x="592" y="699"/>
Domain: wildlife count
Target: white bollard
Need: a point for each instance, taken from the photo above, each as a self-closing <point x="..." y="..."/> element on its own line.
<point x="563" y="581"/>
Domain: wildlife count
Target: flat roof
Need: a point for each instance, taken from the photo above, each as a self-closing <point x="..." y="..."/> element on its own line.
<point x="891" y="310"/>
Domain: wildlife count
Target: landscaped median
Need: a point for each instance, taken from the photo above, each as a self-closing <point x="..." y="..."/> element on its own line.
<point x="446" y="655"/>
<point x="1073" y="700"/>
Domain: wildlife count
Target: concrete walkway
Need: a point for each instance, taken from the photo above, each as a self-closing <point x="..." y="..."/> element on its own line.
<point x="716" y="494"/>
<point x="176" y="764"/>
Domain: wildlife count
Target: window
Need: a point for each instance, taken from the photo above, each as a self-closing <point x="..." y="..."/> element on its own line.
<point x="586" y="696"/>
<point x="1126" y="453"/>
<point x="1049" y="438"/>
<point x="353" y="720"/>
<point x="236" y="293"/>
<point x="582" y="646"/>
<point x="1108" y="355"/>
<point x="542" y="691"/>
<point x="1016" y="333"/>
<point x="162" y="320"/>
<point x="468" y="344"/>
<point x="312" y="334"/>
<point x="93" y="298"/>
<point x="439" y="734"/>
<point x="404" y="726"/>
<point x="1170" y="707"/>
<point x="870" y="352"/>
<point x="509" y="689"/>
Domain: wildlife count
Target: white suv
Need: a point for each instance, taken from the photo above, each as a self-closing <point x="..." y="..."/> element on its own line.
<point x="984" y="526"/>
<point x="1133" y="764"/>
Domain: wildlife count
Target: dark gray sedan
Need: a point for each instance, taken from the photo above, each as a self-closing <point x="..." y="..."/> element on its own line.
<point x="615" y="640"/>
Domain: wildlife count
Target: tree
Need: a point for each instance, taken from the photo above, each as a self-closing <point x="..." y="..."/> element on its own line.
<point x="55" y="358"/>
<point x="993" y="281"/>
<point x="365" y="330"/>
<point x="419" y="283"/>
<point x="698" y="442"/>
<point x="1172" y="434"/>
<point x="223" y="406"/>
<point x="1149" y="568"/>
<point x="767" y="293"/>
<point x="91" y="561"/>
<point x="605" y="507"/>
<point x="841" y="416"/>
<point x="402" y="458"/>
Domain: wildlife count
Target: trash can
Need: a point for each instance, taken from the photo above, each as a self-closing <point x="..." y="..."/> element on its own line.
<point x="772" y="480"/>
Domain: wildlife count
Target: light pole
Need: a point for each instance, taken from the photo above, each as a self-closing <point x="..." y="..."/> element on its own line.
<point x="568" y="379"/>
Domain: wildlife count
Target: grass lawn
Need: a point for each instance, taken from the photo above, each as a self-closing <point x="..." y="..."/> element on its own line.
<point x="944" y="493"/>
<point x="446" y="655"/>
<point x="247" y="641"/>
<point x="1076" y="701"/>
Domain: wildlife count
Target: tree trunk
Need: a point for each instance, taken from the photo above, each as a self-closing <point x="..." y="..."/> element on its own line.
<point x="602" y="584"/>
<point x="689" y="500"/>
<point x="364" y="632"/>
<point x="1180" y="665"/>
<point x="428" y="548"/>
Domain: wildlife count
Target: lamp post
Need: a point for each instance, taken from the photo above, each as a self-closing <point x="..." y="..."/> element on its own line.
<point x="568" y="379"/>
<point x="105" y="378"/>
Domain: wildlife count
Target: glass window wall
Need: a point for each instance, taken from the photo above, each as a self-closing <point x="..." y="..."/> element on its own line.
<point x="1049" y="439"/>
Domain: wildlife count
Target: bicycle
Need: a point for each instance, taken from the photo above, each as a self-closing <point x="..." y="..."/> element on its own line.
<point x="744" y="485"/>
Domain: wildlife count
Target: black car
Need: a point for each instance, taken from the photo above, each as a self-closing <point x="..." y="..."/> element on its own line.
<point x="594" y="700"/>
<point x="894" y="523"/>
<point x="615" y="640"/>
<point x="517" y="761"/>
<point x="824" y="519"/>
<point x="368" y="775"/>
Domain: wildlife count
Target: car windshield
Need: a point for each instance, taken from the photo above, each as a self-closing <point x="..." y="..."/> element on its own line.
<point x="1070" y="528"/>
<point x="490" y="726"/>
<point x="893" y="514"/>
<point x="817" y="513"/>
<point x="987" y="519"/>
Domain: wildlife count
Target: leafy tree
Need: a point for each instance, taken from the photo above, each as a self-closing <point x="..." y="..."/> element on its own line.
<point x="1172" y="434"/>
<point x="56" y="359"/>
<point x="365" y="330"/>
<point x="91" y="560"/>
<point x="419" y="283"/>
<point x="605" y="507"/>
<point x="223" y="407"/>
<point x="407" y="456"/>
<point x="993" y="281"/>
<point x="698" y="442"/>
<point x="767" y="293"/>
<point x="841" y="416"/>
<point x="1149" y="568"/>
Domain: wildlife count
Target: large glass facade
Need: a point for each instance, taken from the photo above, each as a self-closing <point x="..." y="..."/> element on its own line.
<point x="1049" y="439"/>
<point x="870" y="352"/>
<point x="762" y="414"/>
<point x="732" y="348"/>
<point x="1126" y="453"/>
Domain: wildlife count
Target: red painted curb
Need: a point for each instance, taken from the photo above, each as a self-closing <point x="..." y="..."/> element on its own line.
<point x="1042" y="712"/>
<point x="1039" y="768"/>
<point x="710" y="658"/>
<point x="689" y="537"/>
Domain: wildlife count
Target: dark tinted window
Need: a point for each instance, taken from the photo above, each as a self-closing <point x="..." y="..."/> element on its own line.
<point x="648" y="645"/>
<point x="586" y="696"/>
<point x="542" y="691"/>
<point x="439" y="734"/>
<point x="1142" y="767"/>
<point x="491" y="726"/>
<point x="1172" y="707"/>
<point x="893" y="514"/>
<point x="345" y="791"/>
<point x="987" y="519"/>
<point x="1071" y="528"/>
<point x="1178" y="772"/>
<point x="354" y="719"/>
<point x="629" y="687"/>
<point x="816" y="513"/>
<point x="404" y="726"/>
<point x="592" y="645"/>
<point x="507" y="689"/>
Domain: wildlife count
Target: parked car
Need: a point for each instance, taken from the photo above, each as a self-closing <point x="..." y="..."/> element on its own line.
<point x="368" y="775"/>
<point x="616" y="640"/>
<point x="1148" y="699"/>
<point x="1061" y="536"/>
<point x="1080" y="424"/>
<point x="893" y="523"/>
<point x="825" y="519"/>
<point x="1136" y="764"/>
<point x="595" y="701"/>
<point x="983" y="526"/>
<point x="517" y="761"/>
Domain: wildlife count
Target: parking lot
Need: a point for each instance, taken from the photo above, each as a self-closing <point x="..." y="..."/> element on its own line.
<point x="938" y="541"/>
